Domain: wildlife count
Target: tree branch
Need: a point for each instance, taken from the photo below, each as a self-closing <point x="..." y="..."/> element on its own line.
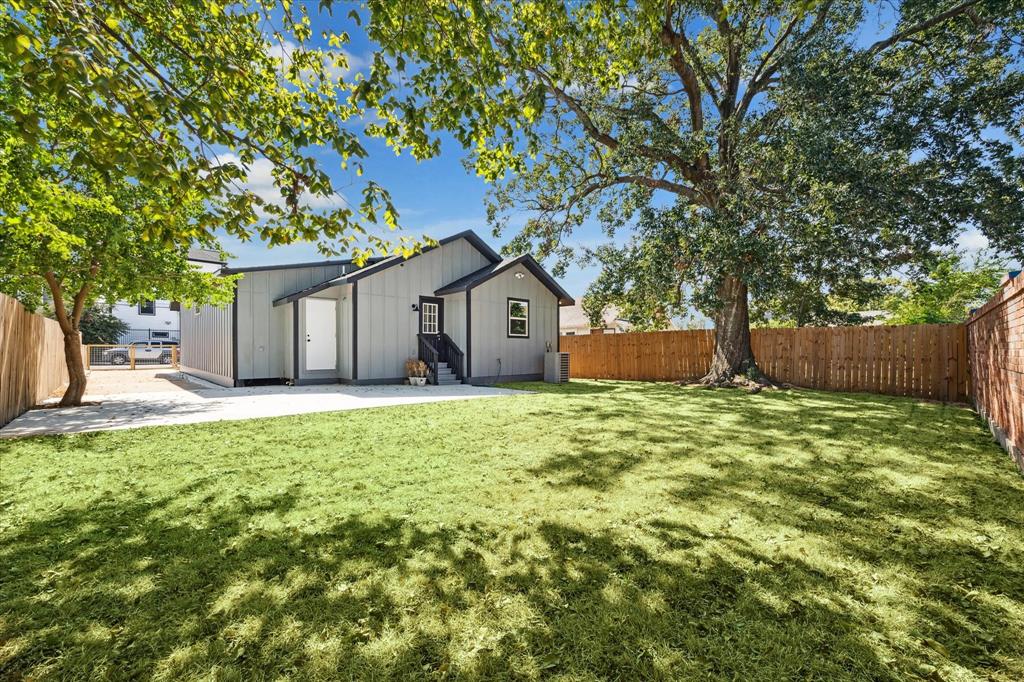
<point x="58" y="302"/>
<point x="921" y="26"/>
<point x="688" y="170"/>
<point x="764" y="75"/>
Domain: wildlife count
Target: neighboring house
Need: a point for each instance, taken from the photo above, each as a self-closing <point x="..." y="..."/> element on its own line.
<point x="159" y="320"/>
<point x="458" y="303"/>
<point x="575" y="322"/>
<point x="149" y="320"/>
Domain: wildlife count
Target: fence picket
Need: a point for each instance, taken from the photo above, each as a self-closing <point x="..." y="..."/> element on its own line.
<point x="31" y="358"/>
<point x="925" y="361"/>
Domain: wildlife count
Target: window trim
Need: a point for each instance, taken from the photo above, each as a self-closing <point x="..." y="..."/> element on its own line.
<point x="508" y="318"/>
<point x="152" y="314"/>
<point x="439" y="302"/>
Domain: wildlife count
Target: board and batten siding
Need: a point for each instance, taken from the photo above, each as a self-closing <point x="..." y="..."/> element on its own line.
<point x="264" y="348"/>
<point x="455" y="318"/>
<point x="344" y="331"/>
<point x="205" y="344"/>
<point x="387" y="324"/>
<point x="519" y="357"/>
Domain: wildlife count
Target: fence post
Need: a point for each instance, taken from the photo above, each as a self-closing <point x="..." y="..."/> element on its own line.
<point x="131" y="356"/>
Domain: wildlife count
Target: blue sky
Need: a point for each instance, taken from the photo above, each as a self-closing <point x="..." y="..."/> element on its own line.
<point x="437" y="197"/>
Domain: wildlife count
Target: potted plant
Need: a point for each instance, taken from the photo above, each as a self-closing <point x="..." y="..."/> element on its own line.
<point x="416" y="370"/>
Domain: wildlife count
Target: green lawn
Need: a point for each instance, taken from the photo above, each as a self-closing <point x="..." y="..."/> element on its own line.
<point x="595" y="530"/>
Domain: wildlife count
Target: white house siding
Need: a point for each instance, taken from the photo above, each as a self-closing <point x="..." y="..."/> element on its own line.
<point x="455" y="318"/>
<point x="387" y="324"/>
<point x="206" y="343"/>
<point x="262" y="328"/>
<point x="142" y="326"/>
<point x="345" y="331"/>
<point x="284" y="325"/>
<point x="490" y="343"/>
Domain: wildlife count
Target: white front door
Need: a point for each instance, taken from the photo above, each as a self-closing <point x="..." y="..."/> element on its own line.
<point x="321" y="333"/>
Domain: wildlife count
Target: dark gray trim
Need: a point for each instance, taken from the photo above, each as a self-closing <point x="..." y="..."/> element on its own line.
<point x="295" y="341"/>
<point x="309" y="291"/>
<point x="558" y="329"/>
<point x="355" y="331"/>
<point x="317" y="382"/>
<point x="234" y="336"/>
<point x="289" y="266"/>
<point x="505" y="378"/>
<point x="373" y="382"/>
<point x="508" y="318"/>
<point x="475" y="279"/>
<point x="469" y="335"/>
<point x="470" y="236"/>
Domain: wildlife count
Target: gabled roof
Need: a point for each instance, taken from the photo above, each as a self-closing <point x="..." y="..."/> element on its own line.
<point x="477" y="278"/>
<point x="469" y="235"/>
<point x="294" y="266"/>
<point x="205" y="256"/>
<point x="378" y="264"/>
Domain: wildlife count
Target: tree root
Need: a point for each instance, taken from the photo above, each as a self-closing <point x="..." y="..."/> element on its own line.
<point x="749" y="378"/>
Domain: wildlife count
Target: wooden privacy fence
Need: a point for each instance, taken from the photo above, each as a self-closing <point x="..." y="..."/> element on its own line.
<point x="996" y="335"/>
<point x="925" y="361"/>
<point x="31" y="358"/>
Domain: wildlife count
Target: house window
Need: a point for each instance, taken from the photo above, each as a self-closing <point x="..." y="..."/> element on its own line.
<point x="518" y="318"/>
<point x="429" y="324"/>
<point x="147" y="308"/>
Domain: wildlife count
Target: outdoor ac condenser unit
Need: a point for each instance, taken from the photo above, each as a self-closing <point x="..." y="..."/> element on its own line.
<point x="556" y="368"/>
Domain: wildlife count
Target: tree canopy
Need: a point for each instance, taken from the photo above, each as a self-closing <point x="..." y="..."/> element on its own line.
<point x="88" y="237"/>
<point x="946" y="293"/>
<point x="744" y="147"/>
<point x="184" y="97"/>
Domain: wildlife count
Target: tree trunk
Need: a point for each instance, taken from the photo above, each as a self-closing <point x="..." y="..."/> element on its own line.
<point x="72" y="337"/>
<point x="733" y="355"/>
<point x="76" y="370"/>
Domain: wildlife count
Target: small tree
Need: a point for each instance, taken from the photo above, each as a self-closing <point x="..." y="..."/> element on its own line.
<point x="100" y="325"/>
<point x="94" y="239"/>
<point x="946" y="293"/>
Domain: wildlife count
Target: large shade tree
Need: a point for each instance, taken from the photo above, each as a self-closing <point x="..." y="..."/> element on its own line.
<point x="750" y="145"/>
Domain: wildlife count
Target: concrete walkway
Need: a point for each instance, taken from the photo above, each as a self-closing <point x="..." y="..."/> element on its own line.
<point x="207" y="403"/>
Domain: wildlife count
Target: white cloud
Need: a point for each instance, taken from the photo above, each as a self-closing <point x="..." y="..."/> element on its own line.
<point x="972" y="240"/>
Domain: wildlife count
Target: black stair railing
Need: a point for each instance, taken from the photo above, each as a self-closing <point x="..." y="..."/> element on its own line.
<point x="446" y="351"/>
<point x="429" y="354"/>
<point x="454" y="356"/>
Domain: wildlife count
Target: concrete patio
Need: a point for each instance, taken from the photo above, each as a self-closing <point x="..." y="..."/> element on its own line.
<point x="173" y="399"/>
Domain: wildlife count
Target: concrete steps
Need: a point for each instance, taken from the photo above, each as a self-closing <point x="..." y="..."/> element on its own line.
<point x="445" y="375"/>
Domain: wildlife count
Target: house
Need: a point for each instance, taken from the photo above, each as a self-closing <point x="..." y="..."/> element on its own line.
<point x="469" y="314"/>
<point x="159" y="320"/>
<point x="576" y="322"/>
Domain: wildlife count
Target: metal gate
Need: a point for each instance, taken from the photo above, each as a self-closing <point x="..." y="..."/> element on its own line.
<point x="131" y="355"/>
